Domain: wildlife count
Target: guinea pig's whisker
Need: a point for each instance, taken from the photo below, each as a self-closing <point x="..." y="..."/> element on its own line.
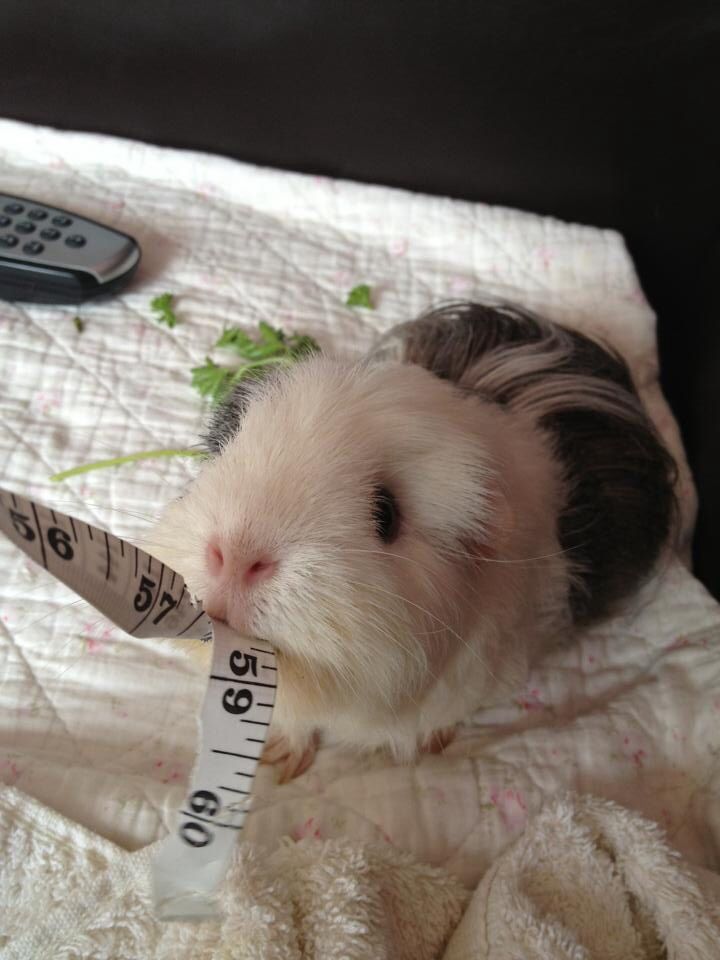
<point x="57" y="651"/>
<point x="545" y="556"/>
<point x="366" y="662"/>
<point x="398" y="596"/>
<point x="71" y="666"/>
<point x="146" y="542"/>
<point x="103" y="506"/>
<point x="466" y="555"/>
<point x="423" y="610"/>
<point x="450" y="630"/>
<point x="429" y="584"/>
<point x="387" y="553"/>
<point x="381" y="622"/>
<point x="43" y="583"/>
<point x="422" y="663"/>
<point x="189" y="542"/>
<point x="50" y="613"/>
<point x="416" y="655"/>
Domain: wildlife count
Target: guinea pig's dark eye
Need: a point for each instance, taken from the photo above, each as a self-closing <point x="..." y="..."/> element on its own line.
<point x="386" y="515"/>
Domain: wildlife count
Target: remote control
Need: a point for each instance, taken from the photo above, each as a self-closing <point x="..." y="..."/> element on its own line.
<point x="49" y="255"/>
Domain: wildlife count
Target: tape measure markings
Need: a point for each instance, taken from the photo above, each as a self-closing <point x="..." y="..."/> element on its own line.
<point x="246" y="683"/>
<point x="215" y="823"/>
<point x="192" y="623"/>
<point x="122" y="584"/>
<point x="40" y="536"/>
<point x="232" y="753"/>
<point x="146" y="587"/>
<point x="52" y="539"/>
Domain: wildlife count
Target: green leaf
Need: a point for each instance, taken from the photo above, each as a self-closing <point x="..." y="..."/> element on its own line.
<point x="360" y="297"/>
<point x="211" y="380"/>
<point x="162" y="305"/>
<point x="272" y="348"/>
<point x="247" y="370"/>
<point x="302" y="345"/>
<point x="271" y="336"/>
<point x="236" y="339"/>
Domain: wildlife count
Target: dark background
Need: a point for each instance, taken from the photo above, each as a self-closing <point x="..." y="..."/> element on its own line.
<point x="607" y="113"/>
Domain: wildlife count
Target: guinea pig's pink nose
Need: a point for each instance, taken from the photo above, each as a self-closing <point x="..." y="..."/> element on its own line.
<point x="222" y="564"/>
<point x="259" y="570"/>
<point x="215" y="558"/>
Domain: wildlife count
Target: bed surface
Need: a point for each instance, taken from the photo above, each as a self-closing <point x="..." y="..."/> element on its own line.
<point x="102" y="727"/>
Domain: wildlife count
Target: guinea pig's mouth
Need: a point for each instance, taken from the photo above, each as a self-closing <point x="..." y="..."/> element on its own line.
<point x="241" y="631"/>
<point x="215" y="617"/>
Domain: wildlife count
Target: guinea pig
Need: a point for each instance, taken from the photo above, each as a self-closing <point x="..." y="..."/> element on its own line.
<point x="411" y="531"/>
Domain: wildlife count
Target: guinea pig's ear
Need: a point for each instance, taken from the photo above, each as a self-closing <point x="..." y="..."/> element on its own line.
<point x="226" y="418"/>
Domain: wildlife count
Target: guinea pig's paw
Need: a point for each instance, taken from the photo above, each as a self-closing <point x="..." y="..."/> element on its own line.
<point x="291" y="759"/>
<point x="438" y="740"/>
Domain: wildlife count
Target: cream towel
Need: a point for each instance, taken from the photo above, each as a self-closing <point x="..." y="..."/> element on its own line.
<point x="68" y="894"/>
<point x="588" y="880"/>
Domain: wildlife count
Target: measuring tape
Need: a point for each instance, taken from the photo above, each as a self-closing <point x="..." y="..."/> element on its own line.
<point x="147" y="599"/>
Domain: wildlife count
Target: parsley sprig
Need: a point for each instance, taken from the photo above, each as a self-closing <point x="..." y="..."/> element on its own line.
<point x="163" y="307"/>
<point x="360" y="297"/>
<point x="272" y="347"/>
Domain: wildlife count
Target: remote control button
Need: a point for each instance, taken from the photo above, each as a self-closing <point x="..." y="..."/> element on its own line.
<point x="4" y="221"/>
<point x="50" y="233"/>
<point x="75" y="240"/>
<point x="14" y="208"/>
<point x="62" y="221"/>
<point x="34" y="247"/>
<point x="37" y="214"/>
<point x="8" y="240"/>
<point x="25" y="227"/>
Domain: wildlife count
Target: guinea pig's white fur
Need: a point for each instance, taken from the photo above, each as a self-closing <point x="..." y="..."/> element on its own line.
<point x="381" y="645"/>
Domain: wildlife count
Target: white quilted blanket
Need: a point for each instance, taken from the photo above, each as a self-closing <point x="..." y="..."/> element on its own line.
<point x="102" y="727"/>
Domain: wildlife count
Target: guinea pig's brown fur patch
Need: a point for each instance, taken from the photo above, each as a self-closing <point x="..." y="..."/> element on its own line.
<point x="620" y="479"/>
